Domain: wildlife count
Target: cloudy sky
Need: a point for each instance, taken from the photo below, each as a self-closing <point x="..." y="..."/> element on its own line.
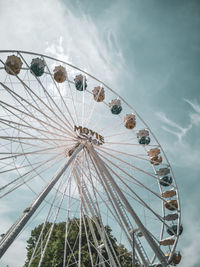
<point x="148" y="51"/>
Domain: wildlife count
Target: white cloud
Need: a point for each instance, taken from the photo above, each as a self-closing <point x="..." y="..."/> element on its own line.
<point x="194" y="117"/>
<point x="189" y="156"/>
<point x="52" y="27"/>
<point x="175" y="129"/>
<point x="194" y="105"/>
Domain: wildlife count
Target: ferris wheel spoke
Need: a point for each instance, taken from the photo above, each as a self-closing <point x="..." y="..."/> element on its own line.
<point x="52" y="204"/>
<point x="88" y="242"/>
<point x="100" y="227"/>
<point x="28" y="179"/>
<point x="25" y="182"/>
<point x="47" y="95"/>
<point x="90" y="176"/>
<point x="96" y="245"/>
<point x="27" y="88"/>
<point x="29" y="114"/>
<point x="137" y="182"/>
<point x="72" y="249"/>
<point x="73" y="102"/>
<point x="27" y="126"/>
<point x="103" y="115"/>
<point x="132" y="166"/>
<point x="35" y="103"/>
<point x="91" y="108"/>
<point x="120" y="213"/>
<point x="57" y="159"/>
<point x="36" y="171"/>
<point x="67" y="223"/>
<point x="141" y="201"/>
<point x="74" y="245"/>
<point x="68" y="230"/>
<point x="11" y="234"/>
<point x="132" y="178"/>
<point x="17" y="167"/>
<point x="118" y="134"/>
<point x="53" y="223"/>
<point x="12" y="169"/>
<point x="17" y="139"/>
<point x="149" y="239"/>
<point x="58" y="208"/>
<point x="102" y="197"/>
<point x="38" y="165"/>
<point x="115" y="215"/>
<point x="63" y="101"/>
<point x="122" y="190"/>
<point x="127" y="144"/>
<point x="26" y="123"/>
<point x="80" y="189"/>
<point x="67" y="218"/>
<point x="95" y="192"/>
<point x="139" y="156"/>
<point x="29" y="223"/>
<point x="127" y="163"/>
<point x="9" y="123"/>
<point x="112" y="127"/>
<point x="18" y="154"/>
<point x="131" y="155"/>
<point x="83" y="101"/>
<point x="32" y="138"/>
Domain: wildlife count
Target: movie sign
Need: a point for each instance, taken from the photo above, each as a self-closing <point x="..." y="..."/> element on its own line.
<point x="89" y="133"/>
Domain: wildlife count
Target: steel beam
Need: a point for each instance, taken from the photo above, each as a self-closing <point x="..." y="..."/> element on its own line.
<point x="16" y="228"/>
<point x="102" y="168"/>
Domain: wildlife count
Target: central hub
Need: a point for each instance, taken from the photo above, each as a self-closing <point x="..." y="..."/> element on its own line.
<point x="88" y="134"/>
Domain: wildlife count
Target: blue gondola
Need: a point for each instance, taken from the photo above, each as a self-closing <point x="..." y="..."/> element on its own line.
<point x="144" y="140"/>
<point x="116" y="109"/>
<point x="37" y="67"/>
<point x="174" y="229"/>
<point x="166" y="180"/>
<point x="80" y="82"/>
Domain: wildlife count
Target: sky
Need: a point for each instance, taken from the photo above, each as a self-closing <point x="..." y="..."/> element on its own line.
<point x="148" y="52"/>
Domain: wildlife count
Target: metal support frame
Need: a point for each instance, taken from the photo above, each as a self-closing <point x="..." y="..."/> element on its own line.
<point x="133" y="251"/>
<point x="102" y="168"/>
<point x="100" y="255"/>
<point x="16" y="228"/>
<point x="123" y="215"/>
<point x="133" y="247"/>
<point x="98" y="225"/>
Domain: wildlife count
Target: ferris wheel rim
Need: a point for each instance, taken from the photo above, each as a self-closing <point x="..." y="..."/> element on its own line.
<point x="91" y="76"/>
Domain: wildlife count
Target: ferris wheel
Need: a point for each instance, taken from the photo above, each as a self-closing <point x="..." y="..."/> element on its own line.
<point x="70" y="146"/>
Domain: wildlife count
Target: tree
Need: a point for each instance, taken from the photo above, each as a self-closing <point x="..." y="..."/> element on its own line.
<point x="54" y="254"/>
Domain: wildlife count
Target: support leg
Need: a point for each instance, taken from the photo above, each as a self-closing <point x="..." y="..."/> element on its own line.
<point x="16" y="228"/>
<point x="102" y="168"/>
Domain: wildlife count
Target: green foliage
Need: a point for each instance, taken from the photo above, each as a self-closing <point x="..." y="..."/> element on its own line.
<point x="54" y="254"/>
